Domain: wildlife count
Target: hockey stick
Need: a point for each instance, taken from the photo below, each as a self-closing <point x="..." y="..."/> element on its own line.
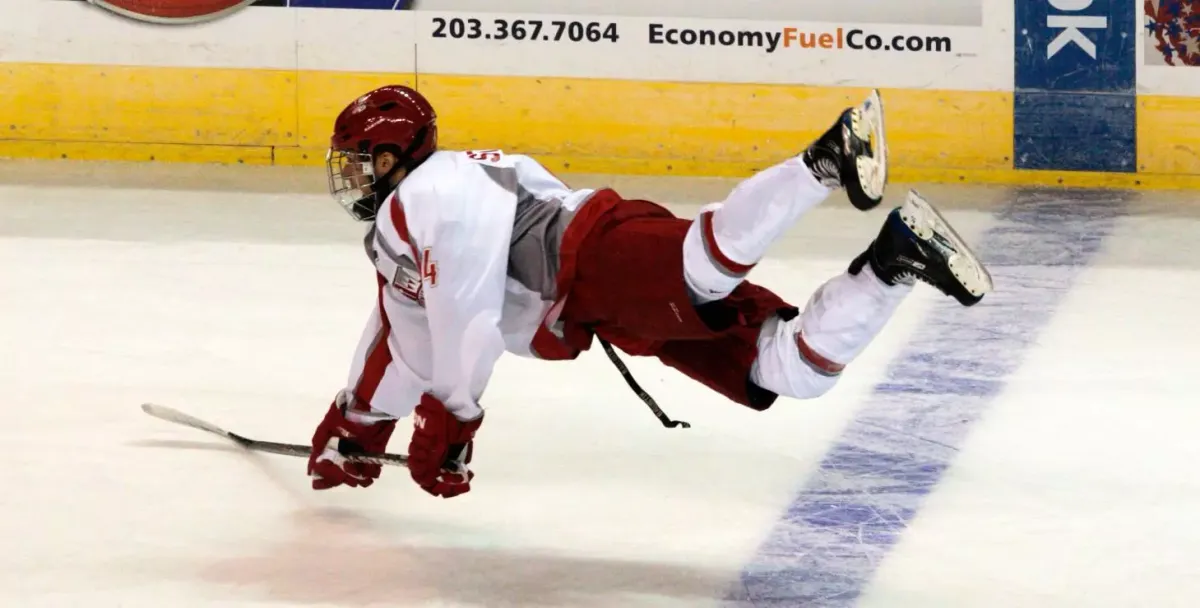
<point x="163" y="412"/>
<point x="637" y="388"/>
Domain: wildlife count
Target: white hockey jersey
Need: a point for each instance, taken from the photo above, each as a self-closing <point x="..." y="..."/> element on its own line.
<point x="467" y="252"/>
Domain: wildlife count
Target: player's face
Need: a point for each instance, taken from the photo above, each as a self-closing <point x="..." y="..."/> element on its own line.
<point x="350" y="176"/>
<point x="356" y="176"/>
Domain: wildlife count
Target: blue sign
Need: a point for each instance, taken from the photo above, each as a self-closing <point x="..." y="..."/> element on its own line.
<point x="1074" y="105"/>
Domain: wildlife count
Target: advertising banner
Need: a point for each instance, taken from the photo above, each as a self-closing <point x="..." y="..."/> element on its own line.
<point x="555" y="43"/>
<point x="700" y="50"/>
<point x="920" y="12"/>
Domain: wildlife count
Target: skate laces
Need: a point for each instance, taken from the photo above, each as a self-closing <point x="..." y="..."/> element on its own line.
<point x="827" y="171"/>
<point x="909" y="277"/>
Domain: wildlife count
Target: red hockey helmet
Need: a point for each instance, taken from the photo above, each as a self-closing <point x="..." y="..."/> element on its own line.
<point x="394" y="119"/>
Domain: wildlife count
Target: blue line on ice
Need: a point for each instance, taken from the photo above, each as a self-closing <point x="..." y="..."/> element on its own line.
<point x="870" y="485"/>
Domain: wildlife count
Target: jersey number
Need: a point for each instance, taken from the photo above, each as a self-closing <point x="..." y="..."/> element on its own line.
<point x="429" y="270"/>
<point x="487" y="156"/>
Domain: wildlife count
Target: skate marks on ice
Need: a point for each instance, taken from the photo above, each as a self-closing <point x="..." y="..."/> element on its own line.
<point x="871" y="483"/>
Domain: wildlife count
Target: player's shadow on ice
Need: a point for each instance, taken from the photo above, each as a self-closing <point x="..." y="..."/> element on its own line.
<point x="333" y="563"/>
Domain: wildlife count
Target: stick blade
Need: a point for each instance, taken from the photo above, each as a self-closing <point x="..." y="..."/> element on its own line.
<point x="171" y="414"/>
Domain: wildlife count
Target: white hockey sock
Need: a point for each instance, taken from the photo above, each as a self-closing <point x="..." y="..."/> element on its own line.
<point x="730" y="237"/>
<point x="802" y="358"/>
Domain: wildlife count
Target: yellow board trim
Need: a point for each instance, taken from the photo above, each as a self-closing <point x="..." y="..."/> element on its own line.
<point x="1168" y="135"/>
<point x="228" y="155"/>
<point x="119" y="104"/>
<point x="695" y="124"/>
<point x="281" y="117"/>
<point x="137" y="152"/>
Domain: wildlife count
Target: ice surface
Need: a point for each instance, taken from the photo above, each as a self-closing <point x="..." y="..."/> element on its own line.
<point x="1052" y="428"/>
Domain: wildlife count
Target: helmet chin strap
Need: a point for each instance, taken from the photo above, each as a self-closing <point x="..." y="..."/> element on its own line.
<point x="382" y="186"/>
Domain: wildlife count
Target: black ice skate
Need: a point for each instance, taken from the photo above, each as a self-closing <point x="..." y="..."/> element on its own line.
<point x="918" y="244"/>
<point x="853" y="154"/>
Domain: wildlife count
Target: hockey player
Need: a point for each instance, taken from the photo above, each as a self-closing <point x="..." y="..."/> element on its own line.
<point x="481" y="252"/>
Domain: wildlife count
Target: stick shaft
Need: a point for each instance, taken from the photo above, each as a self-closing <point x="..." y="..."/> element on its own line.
<point x="169" y="414"/>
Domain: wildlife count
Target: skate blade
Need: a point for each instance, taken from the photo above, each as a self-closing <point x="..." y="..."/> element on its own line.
<point x="932" y="227"/>
<point x="867" y="123"/>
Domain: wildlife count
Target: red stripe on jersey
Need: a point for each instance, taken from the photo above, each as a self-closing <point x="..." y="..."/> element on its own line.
<point x="400" y="225"/>
<point x="710" y="239"/>
<point x="816" y="361"/>
<point x="379" y="357"/>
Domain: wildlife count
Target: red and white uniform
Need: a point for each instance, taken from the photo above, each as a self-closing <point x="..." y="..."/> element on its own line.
<point x="467" y="253"/>
<point x="476" y="253"/>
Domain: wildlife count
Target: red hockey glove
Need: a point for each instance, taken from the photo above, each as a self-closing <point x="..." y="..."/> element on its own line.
<point x="337" y="437"/>
<point x="441" y="449"/>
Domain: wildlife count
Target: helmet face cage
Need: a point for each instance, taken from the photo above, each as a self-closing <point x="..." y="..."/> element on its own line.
<point x="351" y="182"/>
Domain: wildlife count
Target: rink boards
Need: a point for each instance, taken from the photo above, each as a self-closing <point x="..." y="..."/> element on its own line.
<point x="571" y="123"/>
<point x="590" y="93"/>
